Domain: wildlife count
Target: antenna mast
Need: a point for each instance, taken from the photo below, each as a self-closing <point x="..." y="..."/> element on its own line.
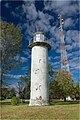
<point x="64" y="59"/>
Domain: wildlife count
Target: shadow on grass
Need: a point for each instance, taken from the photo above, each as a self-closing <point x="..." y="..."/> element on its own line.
<point x="9" y="103"/>
<point x="52" y="103"/>
<point x="5" y="103"/>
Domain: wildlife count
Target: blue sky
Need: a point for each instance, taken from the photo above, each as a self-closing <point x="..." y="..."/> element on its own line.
<point x="37" y="15"/>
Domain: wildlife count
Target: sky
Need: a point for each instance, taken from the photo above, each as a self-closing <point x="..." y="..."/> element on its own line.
<point x="32" y="16"/>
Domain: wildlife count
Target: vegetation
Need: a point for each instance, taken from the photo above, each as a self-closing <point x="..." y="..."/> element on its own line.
<point x="57" y="110"/>
<point x="76" y="91"/>
<point x="11" y="42"/>
<point x="26" y="90"/>
<point x="7" y="93"/>
<point x="15" y="100"/>
<point x="4" y="93"/>
<point x="12" y="93"/>
<point x="61" y="86"/>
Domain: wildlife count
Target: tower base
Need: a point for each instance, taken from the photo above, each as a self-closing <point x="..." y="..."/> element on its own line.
<point x="38" y="102"/>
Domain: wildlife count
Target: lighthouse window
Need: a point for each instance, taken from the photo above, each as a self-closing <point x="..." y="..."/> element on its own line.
<point x="42" y="37"/>
<point x="37" y="37"/>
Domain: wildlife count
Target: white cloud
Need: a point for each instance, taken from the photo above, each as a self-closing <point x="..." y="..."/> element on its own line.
<point x="7" y="5"/>
<point x="30" y="10"/>
<point x="40" y="21"/>
<point x="73" y="34"/>
<point x="74" y="63"/>
<point x="25" y="68"/>
<point x="56" y="63"/>
<point x="57" y="57"/>
<point x="14" y="14"/>
<point x="68" y="47"/>
<point x="26" y="52"/>
<point x="17" y="57"/>
<point x="12" y="76"/>
<point x="53" y="58"/>
<point x="62" y="7"/>
<point x="23" y="59"/>
<point x="50" y="58"/>
<point x="68" y="23"/>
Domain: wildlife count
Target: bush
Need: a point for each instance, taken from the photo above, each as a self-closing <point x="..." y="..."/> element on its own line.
<point x="2" y="98"/>
<point x="15" y="100"/>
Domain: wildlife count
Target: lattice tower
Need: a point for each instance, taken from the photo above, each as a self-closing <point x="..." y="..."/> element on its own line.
<point x="64" y="58"/>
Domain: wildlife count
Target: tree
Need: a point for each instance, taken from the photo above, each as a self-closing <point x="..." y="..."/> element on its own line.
<point x="76" y="91"/>
<point x="12" y="92"/>
<point x="20" y="88"/>
<point x="26" y="90"/>
<point x="50" y="71"/>
<point x="26" y="80"/>
<point x="62" y="86"/>
<point x="4" y="93"/>
<point x="54" y="90"/>
<point x="11" y="42"/>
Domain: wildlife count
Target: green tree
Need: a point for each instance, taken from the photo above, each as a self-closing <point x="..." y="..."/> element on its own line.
<point x="26" y="90"/>
<point x="50" y="71"/>
<point x="10" y="46"/>
<point x="26" y="80"/>
<point x="76" y="91"/>
<point x="20" y="88"/>
<point x="15" y="100"/>
<point x="12" y="92"/>
<point x="77" y="95"/>
<point x="54" y="90"/>
<point x="4" y="93"/>
<point x="62" y="86"/>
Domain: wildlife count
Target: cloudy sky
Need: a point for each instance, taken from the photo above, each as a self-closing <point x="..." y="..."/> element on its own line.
<point x="42" y="15"/>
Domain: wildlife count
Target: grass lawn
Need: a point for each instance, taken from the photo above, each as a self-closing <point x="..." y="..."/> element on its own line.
<point x="56" y="111"/>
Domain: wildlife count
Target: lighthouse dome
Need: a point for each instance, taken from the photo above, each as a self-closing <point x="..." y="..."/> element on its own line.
<point x="39" y="37"/>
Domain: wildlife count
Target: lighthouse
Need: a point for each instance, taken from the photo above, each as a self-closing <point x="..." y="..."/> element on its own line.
<point x="39" y="70"/>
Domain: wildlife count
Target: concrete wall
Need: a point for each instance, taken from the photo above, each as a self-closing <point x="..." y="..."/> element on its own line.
<point x="39" y="76"/>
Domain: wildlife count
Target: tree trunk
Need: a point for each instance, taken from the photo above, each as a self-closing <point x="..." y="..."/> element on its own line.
<point x="64" y="99"/>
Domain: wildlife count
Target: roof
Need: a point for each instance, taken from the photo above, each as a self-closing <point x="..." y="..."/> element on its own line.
<point x="39" y="33"/>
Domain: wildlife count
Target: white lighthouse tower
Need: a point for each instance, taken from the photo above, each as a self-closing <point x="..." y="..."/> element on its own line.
<point x="39" y="70"/>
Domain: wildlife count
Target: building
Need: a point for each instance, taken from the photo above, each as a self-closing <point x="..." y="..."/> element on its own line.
<point x="39" y="70"/>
